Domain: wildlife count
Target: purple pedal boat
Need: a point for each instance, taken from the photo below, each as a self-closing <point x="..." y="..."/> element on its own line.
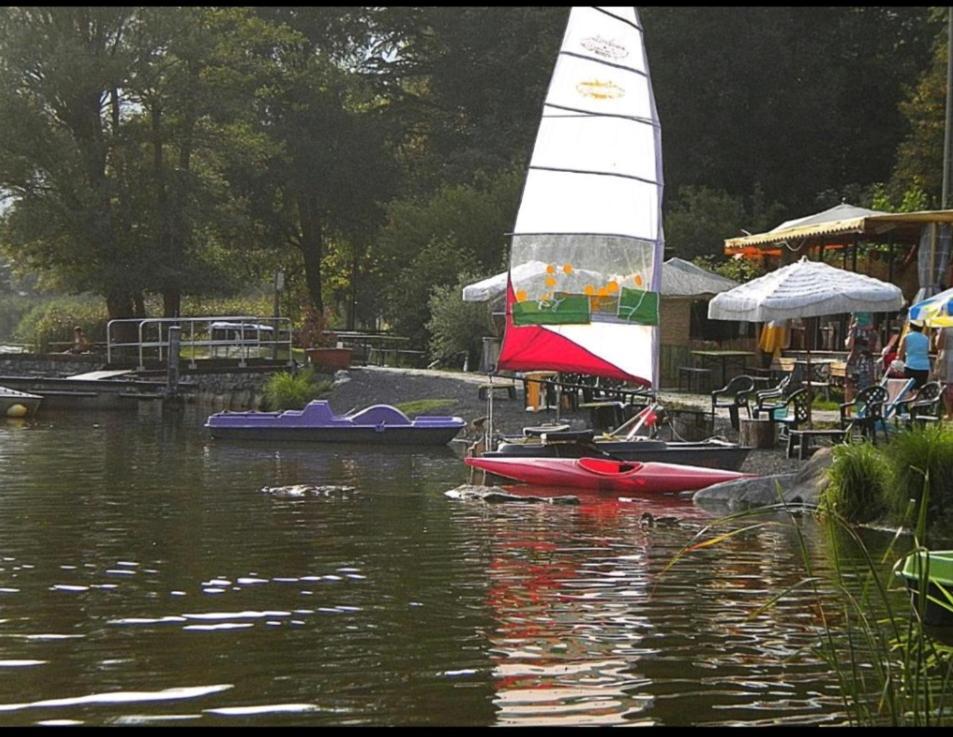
<point x="316" y="423"/>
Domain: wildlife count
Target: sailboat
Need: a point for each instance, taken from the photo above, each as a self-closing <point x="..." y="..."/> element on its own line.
<point x="591" y="211"/>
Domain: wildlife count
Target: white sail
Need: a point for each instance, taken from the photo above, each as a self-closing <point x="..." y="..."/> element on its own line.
<point x="592" y="205"/>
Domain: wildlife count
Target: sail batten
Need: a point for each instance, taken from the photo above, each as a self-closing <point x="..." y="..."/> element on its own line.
<point x="597" y="173"/>
<point x="591" y="211"/>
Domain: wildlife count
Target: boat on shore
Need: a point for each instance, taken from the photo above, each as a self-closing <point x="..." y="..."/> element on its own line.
<point x="624" y="443"/>
<point x="603" y="474"/>
<point x="16" y="404"/>
<point x="317" y="423"/>
<point x="708" y="453"/>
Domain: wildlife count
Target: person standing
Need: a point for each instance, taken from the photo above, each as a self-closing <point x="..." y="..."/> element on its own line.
<point x="862" y="341"/>
<point x="943" y="369"/>
<point x="915" y="354"/>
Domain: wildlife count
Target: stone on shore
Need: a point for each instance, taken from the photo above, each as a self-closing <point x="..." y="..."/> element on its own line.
<point x="802" y="488"/>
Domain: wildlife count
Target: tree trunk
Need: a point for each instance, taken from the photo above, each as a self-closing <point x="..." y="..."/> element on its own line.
<point x="171" y="302"/>
<point x="312" y="247"/>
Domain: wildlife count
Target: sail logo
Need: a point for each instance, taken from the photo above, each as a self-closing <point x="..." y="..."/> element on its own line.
<point x="599" y="89"/>
<point x="607" y="48"/>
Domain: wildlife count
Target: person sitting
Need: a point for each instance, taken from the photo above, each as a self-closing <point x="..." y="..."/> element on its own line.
<point x="81" y="344"/>
<point x="915" y="354"/>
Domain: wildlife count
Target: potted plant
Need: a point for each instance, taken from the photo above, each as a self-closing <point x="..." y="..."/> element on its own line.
<point x="320" y="344"/>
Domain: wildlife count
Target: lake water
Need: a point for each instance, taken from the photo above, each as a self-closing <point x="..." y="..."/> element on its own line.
<point x="146" y="577"/>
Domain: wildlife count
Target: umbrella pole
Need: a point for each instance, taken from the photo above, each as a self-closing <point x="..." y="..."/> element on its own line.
<point x="812" y="326"/>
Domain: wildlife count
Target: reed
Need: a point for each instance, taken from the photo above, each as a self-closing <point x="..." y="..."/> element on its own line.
<point x="889" y="670"/>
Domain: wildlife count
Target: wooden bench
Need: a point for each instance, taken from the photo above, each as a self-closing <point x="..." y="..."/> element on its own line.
<point x="803" y="439"/>
<point x="508" y="386"/>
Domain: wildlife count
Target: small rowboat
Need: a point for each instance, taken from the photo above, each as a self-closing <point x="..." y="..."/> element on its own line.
<point x="380" y="423"/>
<point x="18" y="404"/>
<point x="935" y="567"/>
<point x="603" y="474"/>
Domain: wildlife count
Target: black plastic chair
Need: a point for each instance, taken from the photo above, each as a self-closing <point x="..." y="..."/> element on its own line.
<point x="925" y="406"/>
<point x="767" y="400"/>
<point x="865" y="413"/>
<point x="792" y="414"/>
<point x="735" y="395"/>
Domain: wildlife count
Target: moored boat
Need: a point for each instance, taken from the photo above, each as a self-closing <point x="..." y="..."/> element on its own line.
<point x="380" y="423"/>
<point x="603" y="474"/>
<point x="15" y="403"/>
<point x="935" y="567"/>
<point x="709" y="453"/>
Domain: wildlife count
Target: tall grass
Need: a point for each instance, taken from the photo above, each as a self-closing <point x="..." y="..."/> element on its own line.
<point x="914" y="456"/>
<point x="285" y="390"/>
<point x="859" y="481"/>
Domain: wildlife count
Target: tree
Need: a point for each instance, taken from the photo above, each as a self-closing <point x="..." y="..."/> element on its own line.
<point x="920" y="155"/>
<point x="430" y="242"/>
<point x="60" y="113"/>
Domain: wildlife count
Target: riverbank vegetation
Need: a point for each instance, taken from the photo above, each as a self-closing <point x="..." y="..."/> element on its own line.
<point x="287" y="390"/>
<point x="159" y="154"/>
<point x="878" y="483"/>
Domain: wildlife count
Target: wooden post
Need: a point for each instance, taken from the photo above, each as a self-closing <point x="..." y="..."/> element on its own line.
<point x="756" y="433"/>
<point x="172" y="363"/>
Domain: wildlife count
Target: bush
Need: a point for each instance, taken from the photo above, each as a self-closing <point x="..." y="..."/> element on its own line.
<point x="285" y="390"/>
<point x="53" y="321"/>
<point x="912" y="455"/>
<point x="456" y="326"/>
<point x="859" y="480"/>
<point x="12" y="309"/>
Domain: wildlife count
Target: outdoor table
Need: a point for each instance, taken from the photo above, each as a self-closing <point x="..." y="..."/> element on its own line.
<point x="723" y="356"/>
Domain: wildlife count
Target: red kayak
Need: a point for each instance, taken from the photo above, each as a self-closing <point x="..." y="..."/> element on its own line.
<point x="604" y="474"/>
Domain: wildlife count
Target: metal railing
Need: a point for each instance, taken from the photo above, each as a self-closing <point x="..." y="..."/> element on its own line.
<point x="224" y="336"/>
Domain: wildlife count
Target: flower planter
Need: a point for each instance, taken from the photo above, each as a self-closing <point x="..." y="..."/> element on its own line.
<point x="329" y="358"/>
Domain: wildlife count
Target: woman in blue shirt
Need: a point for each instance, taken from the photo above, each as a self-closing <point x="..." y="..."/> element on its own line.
<point x="915" y="353"/>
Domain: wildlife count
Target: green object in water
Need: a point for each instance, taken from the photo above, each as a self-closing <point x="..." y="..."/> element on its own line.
<point x="937" y="567"/>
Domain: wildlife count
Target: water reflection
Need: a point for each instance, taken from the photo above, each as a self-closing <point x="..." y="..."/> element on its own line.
<point x="594" y="627"/>
<point x="147" y="578"/>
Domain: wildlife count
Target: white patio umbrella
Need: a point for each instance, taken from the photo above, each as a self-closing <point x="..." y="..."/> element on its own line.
<point x="805" y="289"/>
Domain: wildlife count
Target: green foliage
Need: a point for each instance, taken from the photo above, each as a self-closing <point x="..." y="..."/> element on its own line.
<point x="916" y="455"/>
<point x="425" y="406"/>
<point x="859" y="481"/>
<point x="286" y="390"/>
<point x="430" y="243"/>
<point x="13" y="307"/>
<point x="699" y="219"/>
<point x="261" y="305"/>
<point x="739" y="269"/>
<point x="53" y="320"/>
<point x="456" y="326"/>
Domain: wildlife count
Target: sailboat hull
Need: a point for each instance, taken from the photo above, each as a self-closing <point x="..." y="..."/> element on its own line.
<point x="603" y="474"/>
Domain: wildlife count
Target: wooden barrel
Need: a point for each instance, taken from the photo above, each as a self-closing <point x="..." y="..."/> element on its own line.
<point x="757" y="433"/>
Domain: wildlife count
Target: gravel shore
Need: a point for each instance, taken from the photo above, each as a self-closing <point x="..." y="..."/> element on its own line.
<point x="374" y="385"/>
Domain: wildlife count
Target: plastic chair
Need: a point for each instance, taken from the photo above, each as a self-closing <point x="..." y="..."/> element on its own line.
<point x="767" y="400"/>
<point x="865" y="413"/>
<point x="734" y="395"/>
<point x="792" y="413"/>
<point x="925" y="406"/>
